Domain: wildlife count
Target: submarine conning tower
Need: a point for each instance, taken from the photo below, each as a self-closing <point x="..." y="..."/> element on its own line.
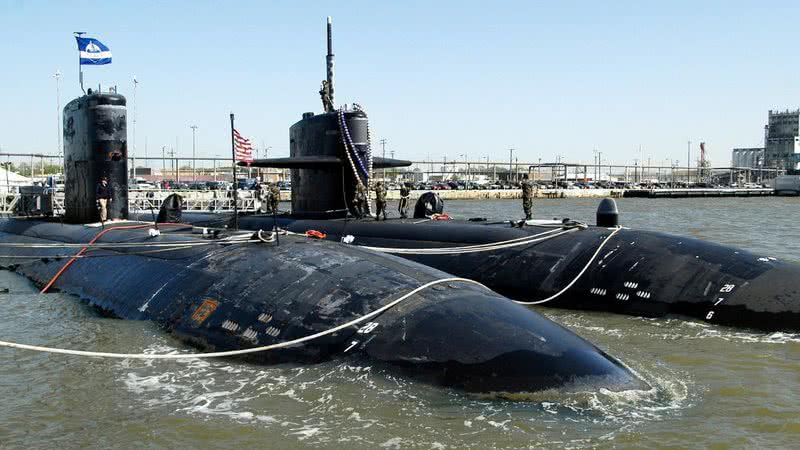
<point x="95" y="145"/>
<point x="325" y="176"/>
<point x="330" y="156"/>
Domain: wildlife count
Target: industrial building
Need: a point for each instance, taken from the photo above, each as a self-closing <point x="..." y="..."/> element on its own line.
<point x="747" y="157"/>
<point x="782" y="139"/>
<point x="781" y="144"/>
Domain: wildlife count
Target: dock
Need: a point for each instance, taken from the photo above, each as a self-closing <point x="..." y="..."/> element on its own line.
<point x="222" y="201"/>
<point x="687" y="193"/>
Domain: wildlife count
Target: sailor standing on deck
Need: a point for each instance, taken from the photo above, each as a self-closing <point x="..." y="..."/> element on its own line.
<point x="402" y="207"/>
<point x="104" y="195"/>
<point x="360" y="200"/>
<point x="274" y="197"/>
<point x="527" y="198"/>
<point x="380" y="201"/>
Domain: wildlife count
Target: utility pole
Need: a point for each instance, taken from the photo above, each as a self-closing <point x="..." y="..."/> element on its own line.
<point x="173" y="163"/>
<point x="163" y="160"/>
<point x="194" y="157"/>
<point x="394" y="171"/>
<point x="383" y="145"/>
<point x="510" y="162"/>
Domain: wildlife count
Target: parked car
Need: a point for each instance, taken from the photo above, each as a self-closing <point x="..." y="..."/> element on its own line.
<point x="218" y="185"/>
<point x="141" y="184"/>
<point x="198" y="186"/>
<point x="246" y="184"/>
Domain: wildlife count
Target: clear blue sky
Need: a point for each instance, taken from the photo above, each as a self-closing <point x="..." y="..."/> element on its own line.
<point x="437" y="78"/>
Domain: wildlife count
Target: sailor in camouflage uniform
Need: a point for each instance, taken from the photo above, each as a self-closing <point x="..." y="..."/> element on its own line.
<point x="527" y="198"/>
<point x="360" y="200"/>
<point x="274" y="197"/>
<point x="380" y="201"/>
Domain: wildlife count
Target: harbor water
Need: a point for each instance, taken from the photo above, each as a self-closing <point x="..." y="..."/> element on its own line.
<point x="709" y="385"/>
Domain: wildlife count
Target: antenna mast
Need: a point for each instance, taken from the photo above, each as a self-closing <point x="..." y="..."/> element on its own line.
<point x="330" y="63"/>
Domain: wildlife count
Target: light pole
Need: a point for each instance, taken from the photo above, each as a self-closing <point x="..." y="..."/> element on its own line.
<point x="194" y="159"/>
<point x="383" y="145"/>
<point x="510" y="163"/>
<point x="688" y="162"/>
<point x="599" y="165"/>
<point x="173" y="164"/>
<point x="135" y="85"/>
<point x="466" y="161"/>
<point x="163" y="159"/>
<point x="215" y="166"/>
<point x="57" y="76"/>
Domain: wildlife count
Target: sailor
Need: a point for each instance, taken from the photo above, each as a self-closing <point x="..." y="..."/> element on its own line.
<point x="274" y="197"/>
<point x="325" y="93"/>
<point x="402" y="207"/>
<point x="104" y="194"/>
<point x="380" y="201"/>
<point x="360" y="200"/>
<point x="527" y="198"/>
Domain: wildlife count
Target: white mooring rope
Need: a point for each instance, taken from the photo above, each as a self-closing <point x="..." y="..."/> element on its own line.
<point x="477" y="247"/>
<point x="577" y="277"/>
<point x="242" y="351"/>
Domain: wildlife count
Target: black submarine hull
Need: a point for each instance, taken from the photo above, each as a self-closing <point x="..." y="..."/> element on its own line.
<point x="639" y="273"/>
<point x="227" y="294"/>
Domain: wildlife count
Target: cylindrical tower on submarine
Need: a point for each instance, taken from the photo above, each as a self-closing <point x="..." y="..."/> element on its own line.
<point x="329" y="156"/>
<point x="95" y="145"/>
<point x="318" y="137"/>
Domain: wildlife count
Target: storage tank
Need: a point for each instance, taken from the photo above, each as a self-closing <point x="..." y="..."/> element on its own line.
<point x="320" y="136"/>
<point x="95" y="145"/>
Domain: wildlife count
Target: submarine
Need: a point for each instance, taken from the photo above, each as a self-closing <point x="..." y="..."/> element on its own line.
<point x="279" y="298"/>
<point x="599" y="267"/>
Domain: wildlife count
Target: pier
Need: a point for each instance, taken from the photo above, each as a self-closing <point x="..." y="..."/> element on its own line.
<point x="223" y="201"/>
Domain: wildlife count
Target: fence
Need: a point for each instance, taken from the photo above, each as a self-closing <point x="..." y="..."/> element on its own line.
<point x="150" y="200"/>
<point x="180" y="169"/>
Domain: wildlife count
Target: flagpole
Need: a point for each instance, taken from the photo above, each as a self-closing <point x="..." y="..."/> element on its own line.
<point x="235" y="191"/>
<point x="80" y="68"/>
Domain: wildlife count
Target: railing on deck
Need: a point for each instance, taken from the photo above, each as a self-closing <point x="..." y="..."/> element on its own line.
<point x="152" y="199"/>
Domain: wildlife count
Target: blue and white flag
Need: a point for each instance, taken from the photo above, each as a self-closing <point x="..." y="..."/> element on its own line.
<point x="93" y="52"/>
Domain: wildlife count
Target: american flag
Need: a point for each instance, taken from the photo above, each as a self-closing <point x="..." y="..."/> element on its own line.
<point x="243" y="147"/>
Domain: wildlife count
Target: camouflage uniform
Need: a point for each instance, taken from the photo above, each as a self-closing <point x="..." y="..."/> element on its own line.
<point x="380" y="201"/>
<point x="325" y="94"/>
<point x="274" y="197"/>
<point x="527" y="199"/>
<point x="360" y="200"/>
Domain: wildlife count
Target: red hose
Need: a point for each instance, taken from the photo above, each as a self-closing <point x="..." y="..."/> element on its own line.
<point x="94" y="239"/>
